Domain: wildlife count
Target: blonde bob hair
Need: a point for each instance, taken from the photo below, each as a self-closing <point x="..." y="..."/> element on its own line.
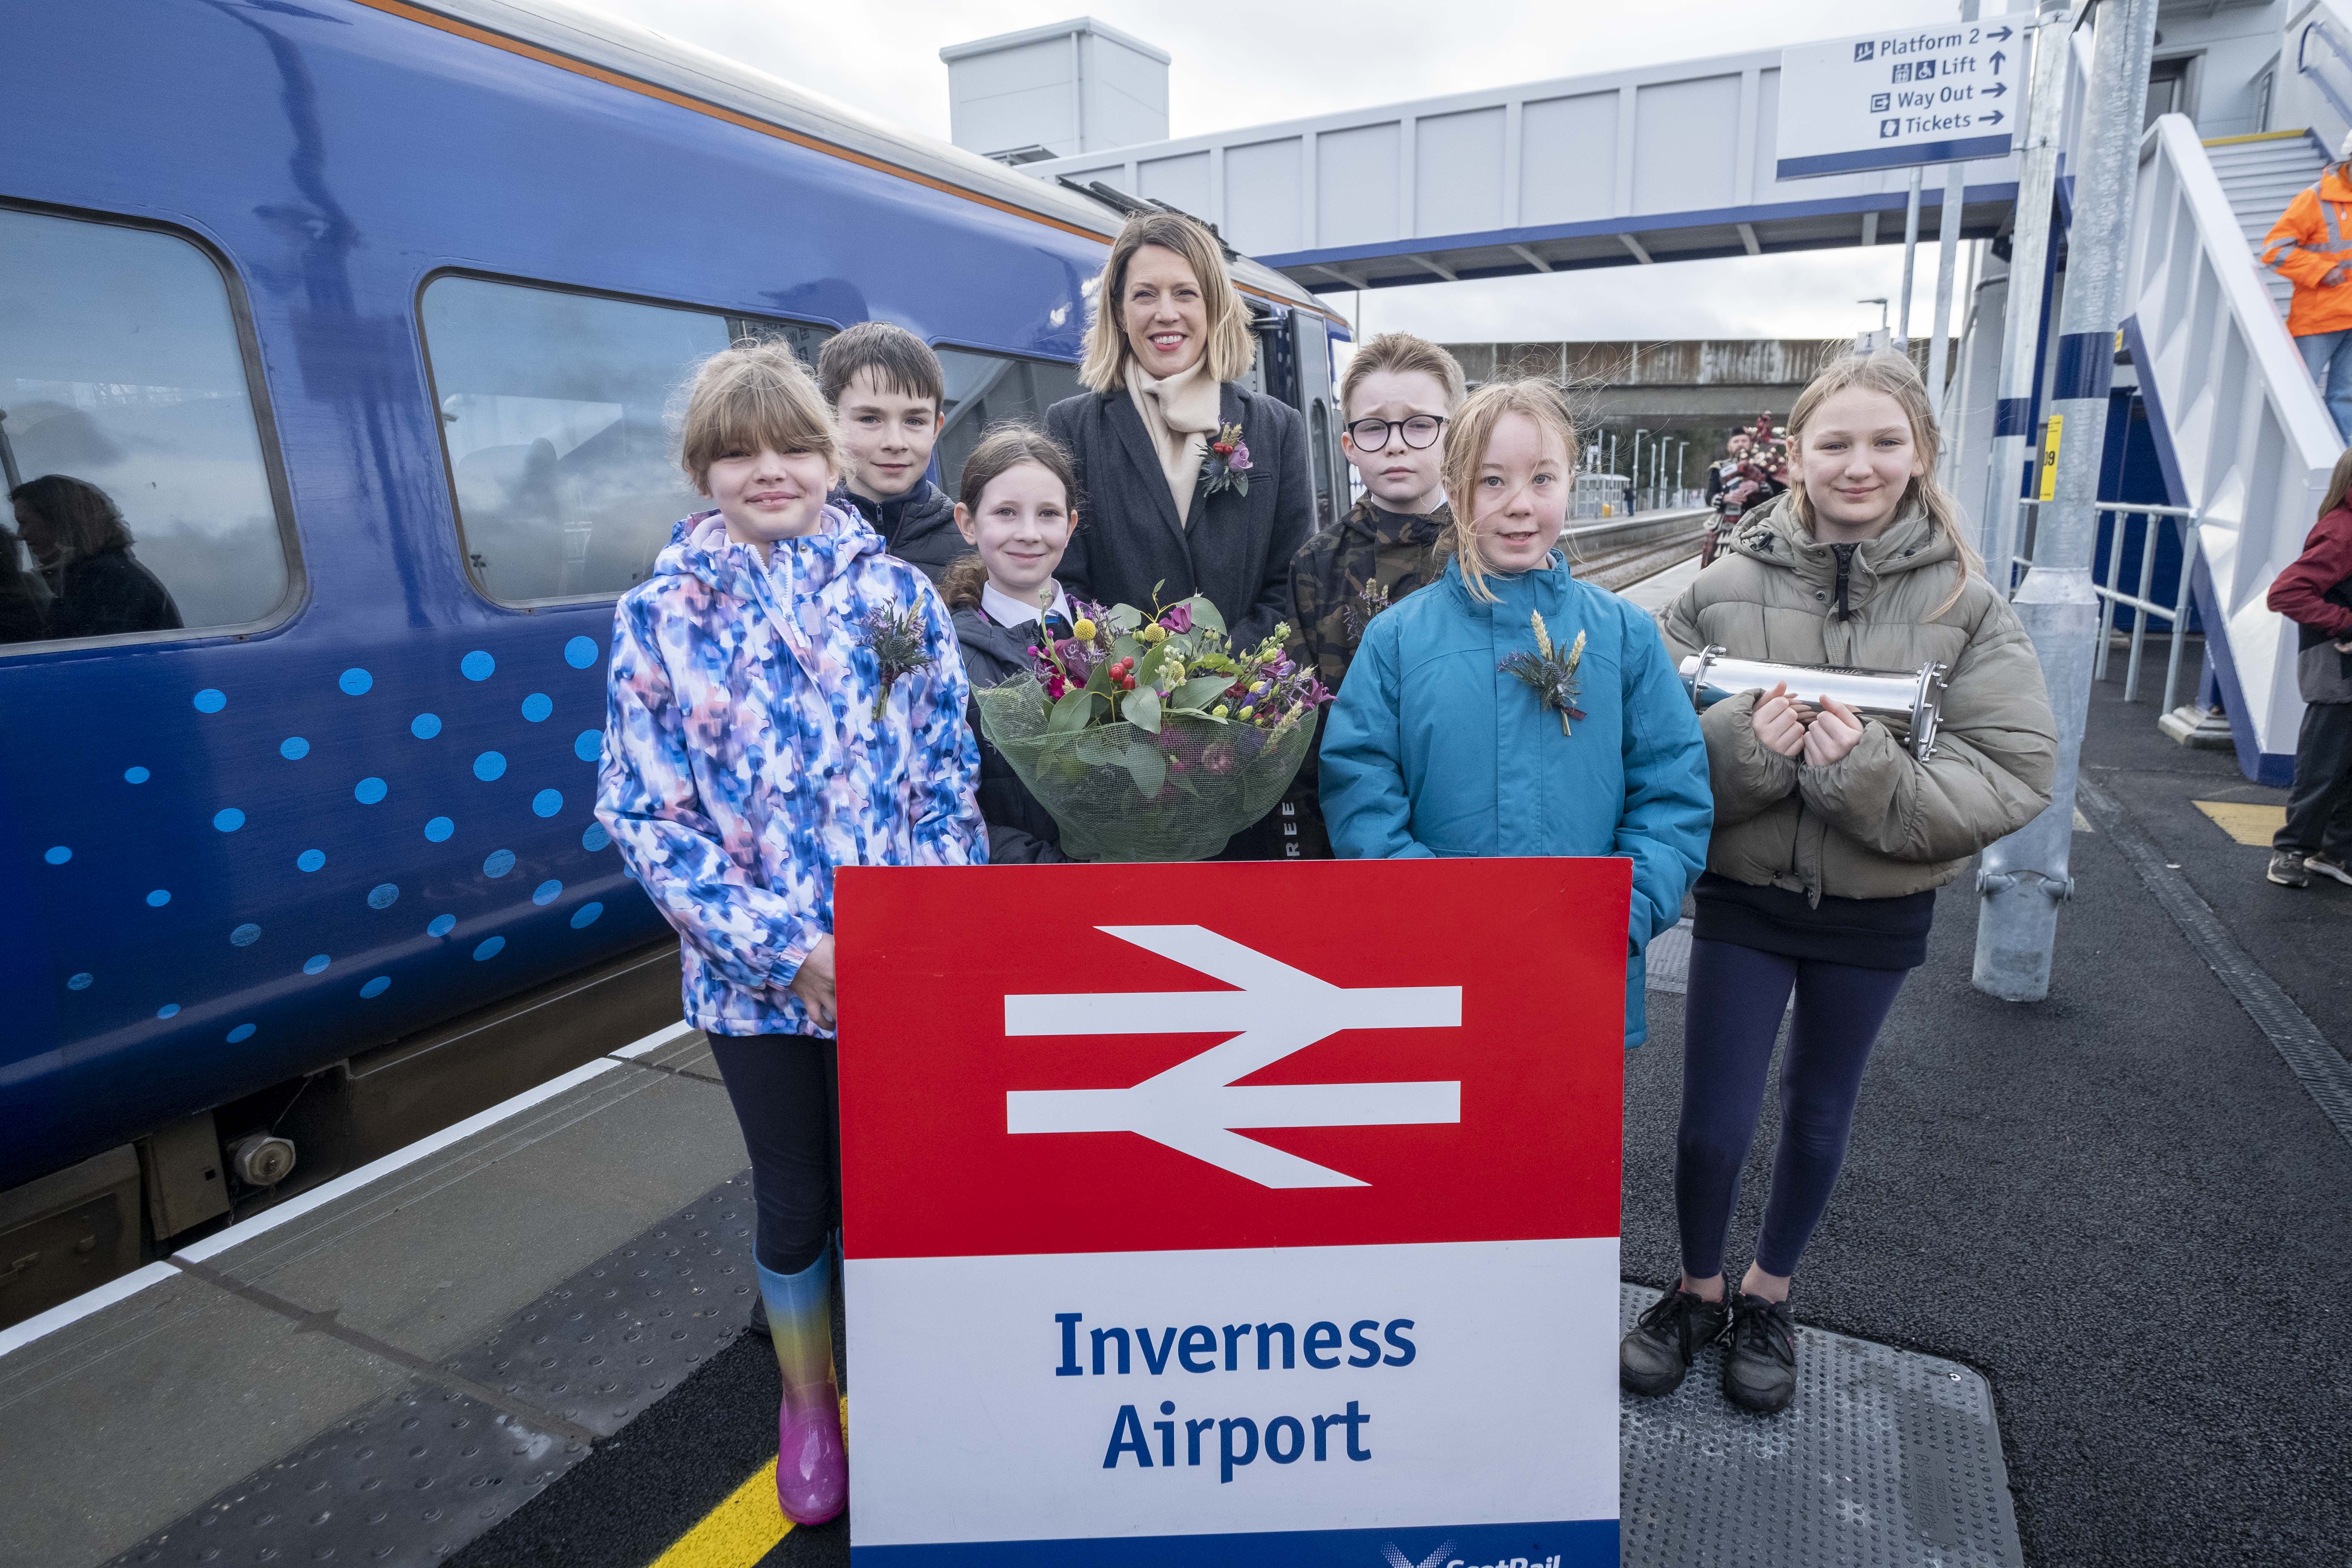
<point x="1230" y="347"/>
<point x="1466" y="450"/>
<point x="748" y="396"/>
<point x="1894" y="375"/>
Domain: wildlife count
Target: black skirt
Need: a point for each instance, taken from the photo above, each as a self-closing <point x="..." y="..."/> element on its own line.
<point x="1867" y="933"/>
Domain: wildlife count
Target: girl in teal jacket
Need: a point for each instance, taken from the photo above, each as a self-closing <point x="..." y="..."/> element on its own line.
<point x="1511" y="709"/>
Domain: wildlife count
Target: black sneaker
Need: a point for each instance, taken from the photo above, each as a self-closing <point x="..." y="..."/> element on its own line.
<point x="1760" y="1368"/>
<point x="2326" y="865"/>
<point x="2286" y="869"/>
<point x="1666" y="1339"/>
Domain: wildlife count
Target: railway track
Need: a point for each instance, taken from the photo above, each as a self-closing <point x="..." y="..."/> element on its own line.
<point x="1619" y="569"/>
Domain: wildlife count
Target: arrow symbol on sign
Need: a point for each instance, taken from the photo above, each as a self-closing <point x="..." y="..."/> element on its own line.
<point x="1194" y="1106"/>
<point x="1996" y="57"/>
<point x="1990" y="118"/>
<point x="1996" y="89"/>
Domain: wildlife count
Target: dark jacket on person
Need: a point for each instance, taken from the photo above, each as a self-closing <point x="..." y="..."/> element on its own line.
<point x="1235" y="547"/>
<point x="107" y="594"/>
<point x="2315" y="593"/>
<point x="918" y="528"/>
<point x="1019" y="831"/>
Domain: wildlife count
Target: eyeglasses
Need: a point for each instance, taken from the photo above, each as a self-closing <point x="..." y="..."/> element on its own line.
<point x="1373" y="435"/>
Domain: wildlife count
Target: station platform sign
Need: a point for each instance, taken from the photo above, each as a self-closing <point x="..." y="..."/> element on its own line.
<point x="1238" y="1212"/>
<point x="1943" y="92"/>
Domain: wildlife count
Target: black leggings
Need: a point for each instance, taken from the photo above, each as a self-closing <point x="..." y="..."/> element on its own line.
<point x="783" y="1087"/>
<point x="1733" y="1016"/>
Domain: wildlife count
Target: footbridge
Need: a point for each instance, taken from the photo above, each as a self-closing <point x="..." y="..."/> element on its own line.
<point x="2211" y="415"/>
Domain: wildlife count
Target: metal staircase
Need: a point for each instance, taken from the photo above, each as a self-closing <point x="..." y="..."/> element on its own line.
<point x="2259" y="175"/>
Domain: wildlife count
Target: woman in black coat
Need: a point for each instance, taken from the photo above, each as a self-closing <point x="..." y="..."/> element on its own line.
<point x="1168" y="337"/>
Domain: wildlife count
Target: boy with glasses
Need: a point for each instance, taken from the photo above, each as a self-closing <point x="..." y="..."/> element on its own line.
<point x="1396" y="396"/>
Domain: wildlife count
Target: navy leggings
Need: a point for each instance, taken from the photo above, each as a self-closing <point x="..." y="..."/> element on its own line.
<point x="1733" y="1016"/>
<point x="783" y="1087"/>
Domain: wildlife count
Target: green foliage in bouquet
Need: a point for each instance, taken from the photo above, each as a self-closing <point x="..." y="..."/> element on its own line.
<point x="1150" y="737"/>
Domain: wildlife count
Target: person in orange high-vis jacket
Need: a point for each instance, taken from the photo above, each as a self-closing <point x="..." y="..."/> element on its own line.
<point x="2310" y="245"/>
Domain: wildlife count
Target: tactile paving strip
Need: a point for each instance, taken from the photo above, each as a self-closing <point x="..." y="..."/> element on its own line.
<point x="1886" y="1460"/>
<point x="619" y="1334"/>
<point x="406" y="1481"/>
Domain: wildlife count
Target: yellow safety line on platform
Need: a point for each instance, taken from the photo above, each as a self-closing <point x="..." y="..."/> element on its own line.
<point x="2245" y="821"/>
<point x="738" y="1532"/>
<point x="2257" y="136"/>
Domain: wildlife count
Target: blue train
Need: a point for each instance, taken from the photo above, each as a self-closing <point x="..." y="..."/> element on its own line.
<point x="362" y="317"/>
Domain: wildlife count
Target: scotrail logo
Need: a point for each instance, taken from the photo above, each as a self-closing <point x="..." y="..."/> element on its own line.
<point x="1438" y="1559"/>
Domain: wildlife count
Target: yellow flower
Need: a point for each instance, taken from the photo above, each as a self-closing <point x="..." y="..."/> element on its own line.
<point x="1084" y="631"/>
<point x="1248" y="708"/>
<point x="1218" y="711"/>
<point x="1259" y="689"/>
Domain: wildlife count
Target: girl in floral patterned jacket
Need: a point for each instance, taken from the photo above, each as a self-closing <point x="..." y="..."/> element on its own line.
<point x="784" y="698"/>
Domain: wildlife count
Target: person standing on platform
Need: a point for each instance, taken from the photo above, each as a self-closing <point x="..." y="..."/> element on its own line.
<point x="2311" y="247"/>
<point x="1510" y="708"/>
<point x="784" y="698"/>
<point x="1831" y="837"/>
<point x="2316" y="594"/>
<point x="887" y="390"/>
<point x="1016" y="510"/>
<point x="1396" y="396"/>
<point x="1721" y="482"/>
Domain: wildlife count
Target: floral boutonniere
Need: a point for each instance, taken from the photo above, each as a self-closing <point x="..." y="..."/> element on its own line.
<point x="1550" y="672"/>
<point x="1370" y="600"/>
<point x="1227" y="464"/>
<point x="896" y="639"/>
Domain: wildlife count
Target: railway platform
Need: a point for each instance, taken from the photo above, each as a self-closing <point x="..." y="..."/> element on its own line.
<point x="2078" y="1303"/>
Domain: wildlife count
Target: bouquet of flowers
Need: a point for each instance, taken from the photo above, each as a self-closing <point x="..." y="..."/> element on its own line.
<point x="1151" y="737"/>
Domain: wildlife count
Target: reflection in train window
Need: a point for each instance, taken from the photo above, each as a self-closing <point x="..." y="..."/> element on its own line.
<point x="552" y="409"/>
<point x="986" y="389"/>
<point x="139" y="499"/>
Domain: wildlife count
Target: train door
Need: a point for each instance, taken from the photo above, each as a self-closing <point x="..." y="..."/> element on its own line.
<point x="1312" y="350"/>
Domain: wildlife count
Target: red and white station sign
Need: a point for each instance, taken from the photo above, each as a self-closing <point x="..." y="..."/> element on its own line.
<point x="1265" y="1209"/>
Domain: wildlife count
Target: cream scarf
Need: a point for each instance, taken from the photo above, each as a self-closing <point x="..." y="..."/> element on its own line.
<point x="1180" y="413"/>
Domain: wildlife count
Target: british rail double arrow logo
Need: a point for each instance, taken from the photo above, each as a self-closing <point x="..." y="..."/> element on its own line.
<point x="1194" y="1107"/>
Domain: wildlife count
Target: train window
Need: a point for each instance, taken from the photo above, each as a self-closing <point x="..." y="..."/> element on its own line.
<point x="142" y="501"/>
<point x="989" y="389"/>
<point x="552" y="410"/>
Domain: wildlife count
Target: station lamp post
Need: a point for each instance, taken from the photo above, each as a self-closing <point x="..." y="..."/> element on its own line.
<point x="1633" y="468"/>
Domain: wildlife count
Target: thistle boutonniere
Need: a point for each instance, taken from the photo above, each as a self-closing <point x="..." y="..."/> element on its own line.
<point x="895" y="637"/>
<point x="1370" y="600"/>
<point x="1550" y="672"/>
<point x="1226" y="465"/>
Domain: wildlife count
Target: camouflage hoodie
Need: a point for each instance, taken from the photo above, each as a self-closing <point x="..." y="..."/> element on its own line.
<point x="1390" y="552"/>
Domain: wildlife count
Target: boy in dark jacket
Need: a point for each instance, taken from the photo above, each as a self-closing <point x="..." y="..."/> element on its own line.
<point x="887" y="392"/>
<point x="2315" y="593"/>
<point x="1396" y="395"/>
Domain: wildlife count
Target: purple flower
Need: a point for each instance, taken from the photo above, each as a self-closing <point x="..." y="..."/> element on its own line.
<point x="1238" y="459"/>
<point x="1177" y="619"/>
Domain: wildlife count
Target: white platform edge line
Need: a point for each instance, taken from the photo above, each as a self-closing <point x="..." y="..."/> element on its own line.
<point x="128" y="1285"/>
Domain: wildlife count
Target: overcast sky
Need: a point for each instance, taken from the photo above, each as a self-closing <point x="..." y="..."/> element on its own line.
<point x="1297" y="59"/>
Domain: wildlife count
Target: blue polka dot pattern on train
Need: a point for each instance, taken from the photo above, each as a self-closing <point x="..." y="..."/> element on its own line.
<point x="425" y="726"/>
<point x="159" y="898"/>
<point x="316" y="963"/>
<point x="81" y="981"/>
<point x="376" y="988"/>
<point x="500" y="863"/>
<point x="547" y="892"/>
<point x="57" y="854"/>
<point x="239" y="1034"/>
<point x="168" y="1010"/>
<point x="439" y="828"/>
<point x="585" y="916"/>
<point x="580" y="652"/>
<point x="490" y="765"/>
<point x="589" y="746"/>
<point x="369" y="791"/>
<point x="538" y="706"/>
<point x="310" y="859"/>
<point x="293" y="748"/>
<point x="547" y="803"/>
<point x="382" y="896"/>
<point x="441" y="925"/>
<point x="355" y="681"/>
<point x="228" y="819"/>
<point x="136" y="775"/>
<point x="245" y="936"/>
<point x="595" y="838"/>
<point x="490" y="948"/>
<point x="478" y="666"/>
<point x="211" y="700"/>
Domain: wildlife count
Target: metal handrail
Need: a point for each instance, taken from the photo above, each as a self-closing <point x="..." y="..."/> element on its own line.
<point x="2175" y="615"/>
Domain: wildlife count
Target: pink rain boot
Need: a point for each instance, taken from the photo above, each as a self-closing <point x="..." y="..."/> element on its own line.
<point x="812" y="1458"/>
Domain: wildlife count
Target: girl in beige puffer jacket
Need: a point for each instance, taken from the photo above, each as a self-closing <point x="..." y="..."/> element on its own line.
<point x="1830" y="837"/>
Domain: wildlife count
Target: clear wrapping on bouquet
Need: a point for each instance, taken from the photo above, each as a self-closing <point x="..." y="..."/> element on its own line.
<point x="1121" y="792"/>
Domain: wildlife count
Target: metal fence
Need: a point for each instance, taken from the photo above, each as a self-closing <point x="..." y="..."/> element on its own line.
<point x="2175" y="615"/>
